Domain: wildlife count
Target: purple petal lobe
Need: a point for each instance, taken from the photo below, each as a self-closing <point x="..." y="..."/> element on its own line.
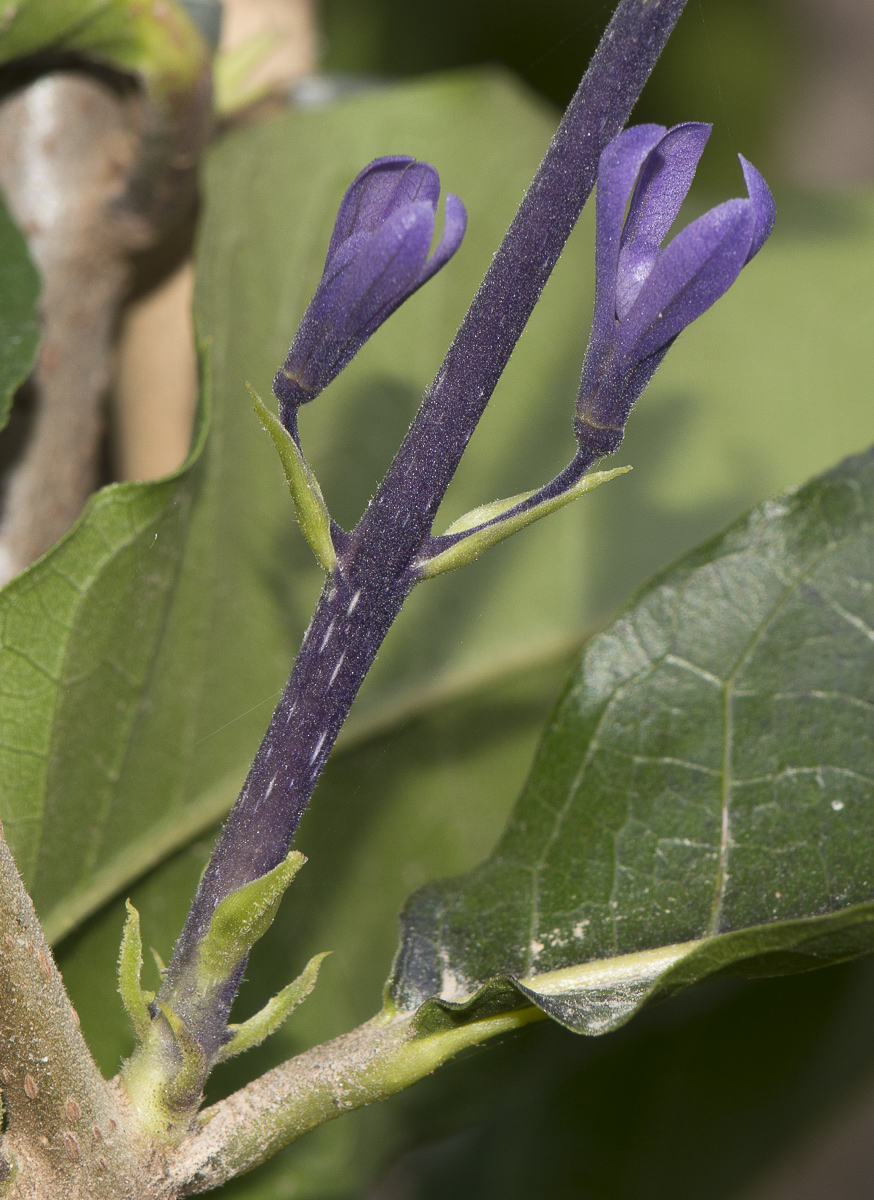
<point x="454" y="226"/>
<point x="763" y="205"/>
<point x="377" y="258"/>
<point x="692" y="272"/>
<point x="665" y="178"/>
<point x="383" y="185"/>
<point x="349" y="306"/>
<point x="618" y="169"/>
<point x="388" y="269"/>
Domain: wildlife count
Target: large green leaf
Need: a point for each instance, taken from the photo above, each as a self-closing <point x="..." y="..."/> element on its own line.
<point x="702" y="799"/>
<point x="19" y="329"/>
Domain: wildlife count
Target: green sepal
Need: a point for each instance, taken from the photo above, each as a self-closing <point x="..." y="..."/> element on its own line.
<point x="240" y="920"/>
<point x="253" y="1032"/>
<point x="136" y="1001"/>
<point x="309" y="503"/>
<point x="188" y="1080"/>
<point x="472" y="547"/>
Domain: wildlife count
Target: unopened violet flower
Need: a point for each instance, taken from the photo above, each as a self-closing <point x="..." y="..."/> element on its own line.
<point x="645" y="295"/>
<point x="377" y="258"/>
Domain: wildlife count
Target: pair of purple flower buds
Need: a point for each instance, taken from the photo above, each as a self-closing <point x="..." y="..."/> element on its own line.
<point x="644" y="295"/>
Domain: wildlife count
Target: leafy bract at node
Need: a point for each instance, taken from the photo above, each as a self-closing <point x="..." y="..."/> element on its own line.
<point x="253" y="1032"/>
<point x="489" y="524"/>
<point x="240" y="920"/>
<point x="136" y="1001"/>
<point x="164" y="1077"/>
<point x="181" y="1091"/>
<point x="309" y="503"/>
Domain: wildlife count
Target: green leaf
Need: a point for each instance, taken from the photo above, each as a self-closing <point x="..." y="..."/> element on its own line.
<point x="19" y="328"/>
<point x="158" y="41"/>
<point x="701" y="802"/>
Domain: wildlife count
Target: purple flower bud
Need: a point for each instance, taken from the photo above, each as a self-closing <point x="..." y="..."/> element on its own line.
<point x="645" y="295"/>
<point x="377" y="258"/>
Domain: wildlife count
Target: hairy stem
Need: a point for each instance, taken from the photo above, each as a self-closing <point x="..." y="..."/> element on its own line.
<point x="373" y="1062"/>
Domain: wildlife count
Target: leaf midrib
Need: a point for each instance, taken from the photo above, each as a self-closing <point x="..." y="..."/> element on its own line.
<point x="727" y="781"/>
<point x="728" y="695"/>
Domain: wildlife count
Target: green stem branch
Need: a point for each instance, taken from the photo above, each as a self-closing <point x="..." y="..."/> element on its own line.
<point x="372" y="1062"/>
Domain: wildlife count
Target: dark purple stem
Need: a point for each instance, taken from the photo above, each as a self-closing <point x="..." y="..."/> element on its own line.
<point x="363" y="597"/>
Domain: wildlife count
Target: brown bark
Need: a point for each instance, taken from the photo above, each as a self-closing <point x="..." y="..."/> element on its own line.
<point x="68" y="145"/>
<point x="68" y="1133"/>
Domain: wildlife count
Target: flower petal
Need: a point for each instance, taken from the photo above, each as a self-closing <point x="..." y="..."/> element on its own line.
<point x="384" y="186"/>
<point x="664" y="181"/>
<point x="354" y="301"/>
<point x="618" y="170"/>
<point x="692" y="272"/>
<point x="763" y="205"/>
<point x="389" y="268"/>
<point x="454" y="226"/>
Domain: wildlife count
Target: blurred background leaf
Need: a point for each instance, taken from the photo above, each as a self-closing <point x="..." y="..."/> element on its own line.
<point x="19" y="327"/>
<point x="159" y="43"/>
<point x="728" y="61"/>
